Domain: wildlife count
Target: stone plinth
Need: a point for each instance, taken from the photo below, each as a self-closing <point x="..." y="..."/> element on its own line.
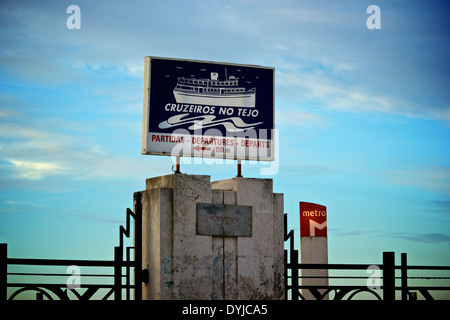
<point x="232" y="249"/>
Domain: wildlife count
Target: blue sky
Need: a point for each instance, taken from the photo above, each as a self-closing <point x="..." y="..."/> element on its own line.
<point x="363" y="117"/>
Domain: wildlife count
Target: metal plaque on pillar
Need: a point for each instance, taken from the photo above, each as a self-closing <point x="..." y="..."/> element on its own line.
<point x="224" y="220"/>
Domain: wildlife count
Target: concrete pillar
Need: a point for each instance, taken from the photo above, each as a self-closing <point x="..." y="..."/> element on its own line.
<point x="260" y="259"/>
<point x="186" y="265"/>
<point x="314" y="250"/>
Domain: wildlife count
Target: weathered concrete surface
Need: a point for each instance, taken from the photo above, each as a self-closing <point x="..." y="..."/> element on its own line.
<point x="314" y="250"/>
<point x="260" y="257"/>
<point x="186" y="265"/>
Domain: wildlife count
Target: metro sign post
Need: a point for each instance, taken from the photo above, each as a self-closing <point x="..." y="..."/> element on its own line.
<point x="313" y="244"/>
<point x="208" y="109"/>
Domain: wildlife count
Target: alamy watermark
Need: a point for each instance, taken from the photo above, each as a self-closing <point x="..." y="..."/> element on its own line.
<point x="74" y="280"/>
<point x="252" y="147"/>
<point x="374" y="280"/>
<point x="74" y="20"/>
<point x="374" y="20"/>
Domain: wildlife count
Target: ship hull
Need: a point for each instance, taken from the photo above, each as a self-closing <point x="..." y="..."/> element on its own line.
<point x="244" y="100"/>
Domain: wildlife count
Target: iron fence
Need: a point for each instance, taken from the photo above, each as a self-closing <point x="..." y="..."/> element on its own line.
<point x="121" y="279"/>
<point x="116" y="279"/>
<point x="392" y="281"/>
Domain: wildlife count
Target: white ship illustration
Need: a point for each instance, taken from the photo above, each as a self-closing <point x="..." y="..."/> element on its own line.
<point x="214" y="92"/>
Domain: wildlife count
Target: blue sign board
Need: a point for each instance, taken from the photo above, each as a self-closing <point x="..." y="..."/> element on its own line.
<point x="208" y="109"/>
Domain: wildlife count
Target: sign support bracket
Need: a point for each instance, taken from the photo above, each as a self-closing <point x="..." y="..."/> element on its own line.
<point x="239" y="172"/>
<point x="177" y="167"/>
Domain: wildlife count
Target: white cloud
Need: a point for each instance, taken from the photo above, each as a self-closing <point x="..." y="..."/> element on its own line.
<point x="300" y="118"/>
<point x="435" y="178"/>
<point x="421" y="237"/>
<point x="32" y="151"/>
<point x="331" y="93"/>
<point x="32" y="170"/>
<point x="5" y="113"/>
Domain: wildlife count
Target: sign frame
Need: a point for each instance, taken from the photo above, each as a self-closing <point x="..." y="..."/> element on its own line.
<point x="313" y="212"/>
<point x="245" y="141"/>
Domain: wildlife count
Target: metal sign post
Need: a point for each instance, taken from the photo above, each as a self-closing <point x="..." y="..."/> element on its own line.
<point x="314" y="247"/>
<point x="239" y="174"/>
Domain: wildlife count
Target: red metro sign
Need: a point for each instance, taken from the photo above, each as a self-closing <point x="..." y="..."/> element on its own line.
<point x="313" y="220"/>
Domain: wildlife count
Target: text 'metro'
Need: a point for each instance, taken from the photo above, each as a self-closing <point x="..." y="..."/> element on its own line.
<point x="313" y="220"/>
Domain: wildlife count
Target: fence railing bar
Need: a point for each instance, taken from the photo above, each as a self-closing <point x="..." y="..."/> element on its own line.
<point x="333" y="287"/>
<point x="57" y="274"/>
<point x="3" y="270"/>
<point x="359" y="266"/>
<point x="366" y="277"/>
<point x="139" y="275"/>
<point x="331" y="277"/>
<point x="425" y="267"/>
<point x="61" y="262"/>
<point x="60" y="285"/>
<point x="332" y="266"/>
<point x="425" y="287"/>
<point x="428" y="278"/>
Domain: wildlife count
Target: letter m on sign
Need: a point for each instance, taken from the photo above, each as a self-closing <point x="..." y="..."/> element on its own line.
<point x="313" y="220"/>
